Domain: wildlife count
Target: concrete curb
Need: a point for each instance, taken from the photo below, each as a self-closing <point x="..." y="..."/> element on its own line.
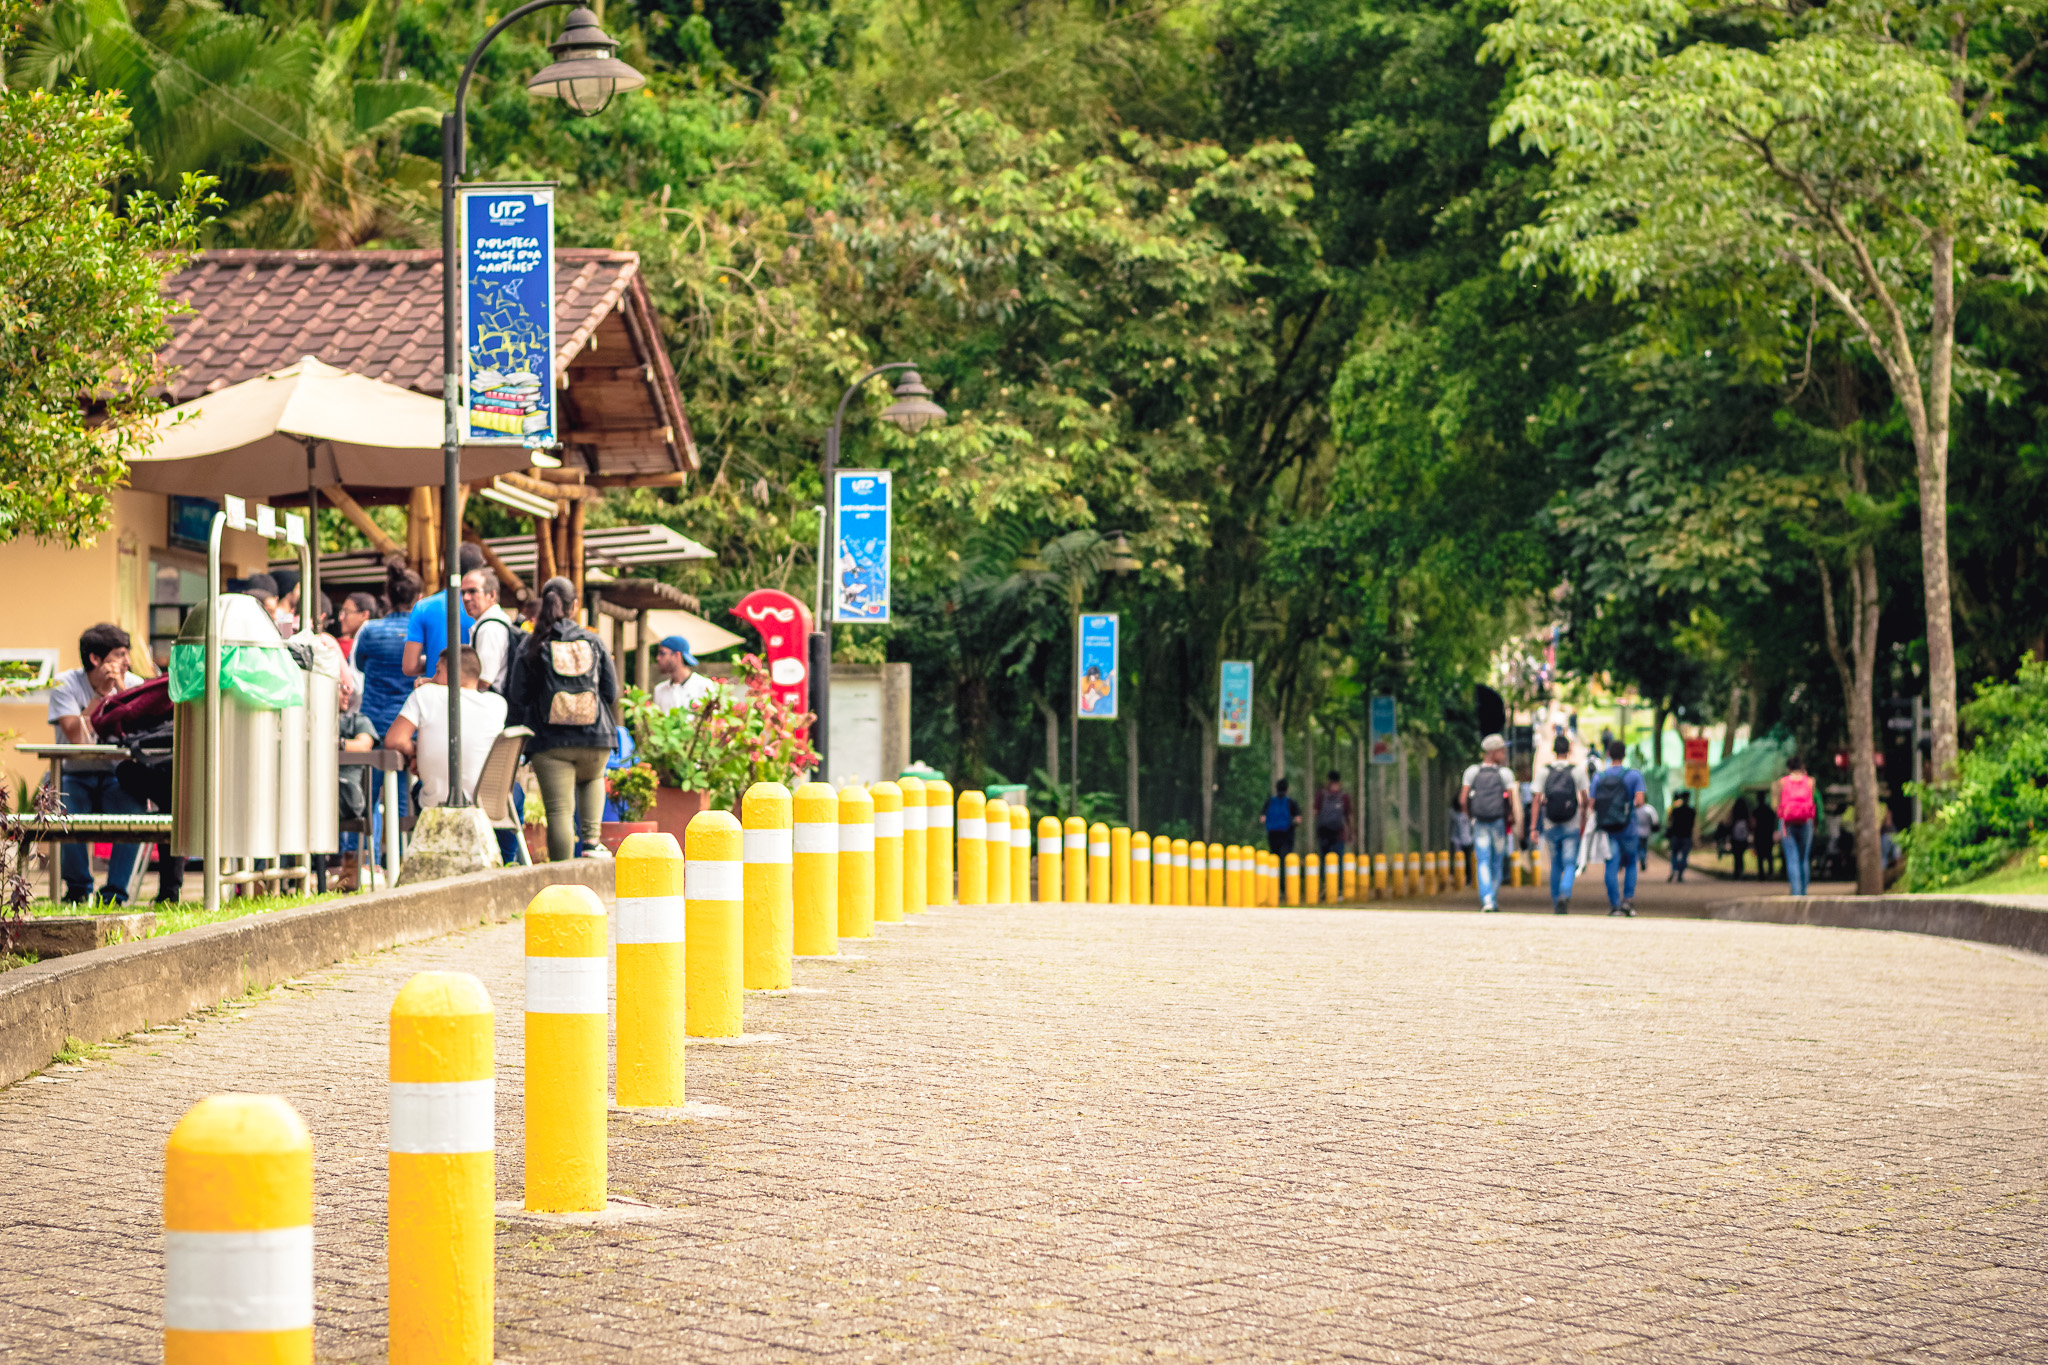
<point x="107" y="992"/>
<point x="2009" y="921"/>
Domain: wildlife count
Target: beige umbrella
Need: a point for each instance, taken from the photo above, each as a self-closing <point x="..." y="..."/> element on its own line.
<point x="308" y="423"/>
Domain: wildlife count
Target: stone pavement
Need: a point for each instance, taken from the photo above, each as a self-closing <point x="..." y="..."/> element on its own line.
<point x="1039" y="1133"/>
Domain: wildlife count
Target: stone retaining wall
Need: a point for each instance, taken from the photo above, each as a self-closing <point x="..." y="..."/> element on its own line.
<point x="2011" y="921"/>
<point x="107" y="992"/>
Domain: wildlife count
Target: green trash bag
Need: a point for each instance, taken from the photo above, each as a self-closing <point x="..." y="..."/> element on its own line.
<point x="262" y="675"/>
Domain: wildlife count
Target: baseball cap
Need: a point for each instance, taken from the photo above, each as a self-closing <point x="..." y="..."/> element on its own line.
<point x="1492" y="742"/>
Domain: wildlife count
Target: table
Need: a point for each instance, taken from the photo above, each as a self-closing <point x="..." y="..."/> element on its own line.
<point x="390" y="763"/>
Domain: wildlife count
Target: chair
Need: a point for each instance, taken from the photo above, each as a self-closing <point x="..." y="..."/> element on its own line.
<point x="494" y="785"/>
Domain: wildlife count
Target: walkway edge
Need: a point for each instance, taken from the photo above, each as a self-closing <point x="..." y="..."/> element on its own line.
<point x="107" y="992"/>
<point x="2009" y="921"/>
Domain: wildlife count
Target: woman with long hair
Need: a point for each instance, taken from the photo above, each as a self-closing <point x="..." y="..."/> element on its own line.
<point x="379" y="652"/>
<point x="563" y="687"/>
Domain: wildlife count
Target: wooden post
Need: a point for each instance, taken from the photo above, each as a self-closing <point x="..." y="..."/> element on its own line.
<point x="358" y="518"/>
<point x="576" y="546"/>
<point x="543" y="549"/>
<point x="643" y="658"/>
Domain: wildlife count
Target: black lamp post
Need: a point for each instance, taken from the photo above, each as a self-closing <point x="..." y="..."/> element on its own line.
<point x="912" y="412"/>
<point x="584" y="75"/>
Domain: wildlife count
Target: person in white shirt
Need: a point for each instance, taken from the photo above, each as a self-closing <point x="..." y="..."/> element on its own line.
<point x="421" y="730"/>
<point x="681" y="684"/>
<point x="89" y="785"/>
<point x="493" y="634"/>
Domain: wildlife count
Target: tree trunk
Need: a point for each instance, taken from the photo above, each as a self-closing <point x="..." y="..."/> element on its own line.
<point x="1279" y="746"/>
<point x="1931" y="450"/>
<point x="1857" y="667"/>
<point x="1052" y="742"/>
<point x="1729" y="719"/>
<point x="1208" y="774"/>
<point x="1308" y="760"/>
<point x="1131" y="770"/>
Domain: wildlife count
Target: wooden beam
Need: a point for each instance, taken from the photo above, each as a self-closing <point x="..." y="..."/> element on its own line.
<point x="561" y="475"/>
<point x="543" y="550"/>
<point x="597" y="436"/>
<point x="540" y="488"/>
<point x="674" y="478"/>
<point x="576" y="547"/>
<point x="358" y="518"/>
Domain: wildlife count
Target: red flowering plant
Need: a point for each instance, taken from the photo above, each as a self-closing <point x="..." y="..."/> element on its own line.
<point x="729" y="740"/>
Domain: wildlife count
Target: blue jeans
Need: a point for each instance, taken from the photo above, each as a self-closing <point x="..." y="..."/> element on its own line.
<point x="1627" y="848"/>
<point x="97" y="794"/>
<point x="1798" y="854"/>
<point x="1564" y="859"/>
<point x="1490" y="847"/>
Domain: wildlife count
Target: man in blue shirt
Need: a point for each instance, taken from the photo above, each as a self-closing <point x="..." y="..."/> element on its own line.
<point x="1282" y="816"/>
<point x="1616" y="794"/>
<point x="426" y="634"/>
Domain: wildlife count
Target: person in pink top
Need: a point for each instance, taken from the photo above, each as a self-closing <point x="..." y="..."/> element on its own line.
<point x="1797" y="802"/>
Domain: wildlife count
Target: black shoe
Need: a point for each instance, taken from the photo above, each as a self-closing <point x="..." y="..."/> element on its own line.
<point x="1628" y="909"/>
<point x="1564" y="907"/>
<point x="1613" y="910"/>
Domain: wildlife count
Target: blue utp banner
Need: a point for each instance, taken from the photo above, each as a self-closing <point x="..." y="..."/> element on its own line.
<point x="1234" y="705"/>
<point x="860" y="567"/>
<point x="1385" y="741"/>
<point x="1100" y="668"/>
<point x="507" y="294"/>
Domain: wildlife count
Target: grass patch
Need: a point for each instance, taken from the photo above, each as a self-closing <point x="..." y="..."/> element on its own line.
<point x="76" y="1052"/>
<point x="2023" y="877"/>
<point x="190" y="914"/>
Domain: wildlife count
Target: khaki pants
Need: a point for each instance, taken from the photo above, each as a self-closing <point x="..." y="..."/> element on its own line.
<point x="572" y="789"/>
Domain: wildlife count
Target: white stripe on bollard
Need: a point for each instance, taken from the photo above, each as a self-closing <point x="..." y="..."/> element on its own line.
<point x="856" y="839"/>
<point x="817" y="836"/>
<point x="566" y="985"/>
<point x="1049" y="845"/>
<point x="705" y="880"/>
<point x="888" y="824"/>
<point x="239" y="1281"/>
<point x="770" y="846"/>
<point x="647" y="919"/>
<point x="443" y="1116"/>
<point x="1098" y="850"/>
<point x="1077" y="839"/>
<point x="974" y="828"/>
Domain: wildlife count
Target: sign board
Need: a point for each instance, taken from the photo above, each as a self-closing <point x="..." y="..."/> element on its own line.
<point x="1698" y="772"/>
<point x="785" y="626"/>
<point x="1234" y="705"/>
<point x="860" y="560"/>
<point x="1385" y="743"/>
<point x="854" y="743"/>
<point x="507" y="300"/>
<point x="1098" y="668"/>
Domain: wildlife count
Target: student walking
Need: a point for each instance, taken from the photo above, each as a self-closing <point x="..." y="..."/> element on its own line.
<point x="1765" y="834"/>
<point x="1488" y="795"/>
<point x="1647" y="824"/>
<point x="1563" y="812"/>
<point x="1679" y="827"/>
<point x="1740" y="830"/>
<point x="1282" y="817"/>
<point x="565" y="690"/>
<point x="1616" y="794"/>
<point x="1798" y="808"/>
<point x="1333" y="826"/>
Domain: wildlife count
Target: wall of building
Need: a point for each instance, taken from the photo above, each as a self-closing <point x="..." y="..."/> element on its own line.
<point x="50" y="594"/>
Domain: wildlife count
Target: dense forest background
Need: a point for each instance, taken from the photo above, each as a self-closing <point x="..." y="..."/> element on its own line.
<point x="1225" y="277"/>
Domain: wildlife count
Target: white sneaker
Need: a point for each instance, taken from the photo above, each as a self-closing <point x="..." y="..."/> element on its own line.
<point x="595" y="851"/>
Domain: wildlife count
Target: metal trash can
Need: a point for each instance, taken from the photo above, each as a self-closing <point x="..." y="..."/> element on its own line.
<point x="250" y="744"/>
<point x="309" y="776"/>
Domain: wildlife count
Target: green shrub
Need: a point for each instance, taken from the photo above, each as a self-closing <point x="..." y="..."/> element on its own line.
<point x="1998" y="804"/>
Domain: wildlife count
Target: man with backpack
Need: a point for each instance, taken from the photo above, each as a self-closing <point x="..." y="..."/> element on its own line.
<point x="1282" y="816"/>
<point x="1333" y="825"/>
<point x="1616" y="794"/>
<point x="1563" y="812"/>
<point x="1488" y="794"/>
<point x="493" y="635"/>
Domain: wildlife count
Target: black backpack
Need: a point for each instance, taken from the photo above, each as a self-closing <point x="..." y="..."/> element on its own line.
<point x="1489" y="799"/>
<point x="1612" y="806"/>
<point x="1560" y="794"/>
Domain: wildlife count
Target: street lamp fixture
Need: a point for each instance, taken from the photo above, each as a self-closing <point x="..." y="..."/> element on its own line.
<point x="1121" y="560"/>
<point x="585" y="73"/>
<point x="913" y="409"/>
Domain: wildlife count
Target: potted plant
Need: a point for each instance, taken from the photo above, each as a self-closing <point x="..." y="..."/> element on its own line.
<point x="633" y="788"/>
<point x="707" y="756"/>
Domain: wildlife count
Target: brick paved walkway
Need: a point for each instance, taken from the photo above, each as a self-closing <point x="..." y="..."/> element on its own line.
<point x="1099" y="1134"/>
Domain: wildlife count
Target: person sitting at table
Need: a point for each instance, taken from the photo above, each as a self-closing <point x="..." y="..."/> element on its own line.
<point x="421" y="730"/>
<point x="90" y="787"/>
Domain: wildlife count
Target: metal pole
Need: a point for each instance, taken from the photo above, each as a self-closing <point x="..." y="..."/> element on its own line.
<point x="209" y="842"/>
<point x="1074" y="724"/>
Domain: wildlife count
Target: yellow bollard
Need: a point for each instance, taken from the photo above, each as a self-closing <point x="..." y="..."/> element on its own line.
<point x="238" y="1235"/>
<point x="1291" y="872"/>
<point x="715" y="951"/>
<point x="888" y="799"/>
<point x="565" y="1053"/>
<point x="1333" y="884"/>
<point x="1215" y="874"/>
<point x="769" y="851"/>
<point x="1120" y="866"/>
<point x="1020" y="853"/>
<point x="1258" y="876"/>
<point x="1311" y="879"/>
<point x="1048" y="860"/>
<point x="1379" y="875"/>
<point x="1351" y="876"/>
<point x="1233" y="877"/>
<point x="815" y="919"/>
<point x="1272" y="877"/>
<point x="996" y="850"/>
<point x="1514" y="866"/>
<point x="648" y="932"/>
<point x="1254" y="889"/>
<point x="916" y="885"/>
<point x="938" y="841"/>
<point x="972" y="852"/>
<point x="441" y="1237"/>
<point x="1180" y="871"/>
<point x="1074" y="855"/>
<point x="1162" y="870"/>
<point x="1141" y="868"/>
<point x="1098" y="863"/>
<point x="856" y="863"/>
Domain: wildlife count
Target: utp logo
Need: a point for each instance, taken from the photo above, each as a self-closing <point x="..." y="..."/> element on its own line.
<point x="862" y="486"/>
<point x="506" y="212"/>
